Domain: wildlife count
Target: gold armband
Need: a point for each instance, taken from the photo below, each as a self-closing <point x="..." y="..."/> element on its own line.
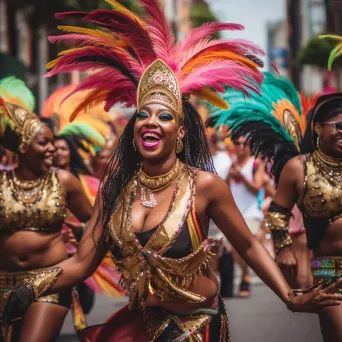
<point x="42" y="282"/>
<point x="277" y="220"/>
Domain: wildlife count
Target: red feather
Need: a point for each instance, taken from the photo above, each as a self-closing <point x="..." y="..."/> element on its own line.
<point x="89" y="58"/>
<point x="64" y="15"/>
<point x="126" y="26"/>
<point x="114" y="82"/>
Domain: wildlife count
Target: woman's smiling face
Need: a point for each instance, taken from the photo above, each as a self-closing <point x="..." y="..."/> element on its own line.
<point x="156" y="131"/>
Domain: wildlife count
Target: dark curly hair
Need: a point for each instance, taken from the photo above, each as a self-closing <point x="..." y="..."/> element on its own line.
<point x="125" y="161"/>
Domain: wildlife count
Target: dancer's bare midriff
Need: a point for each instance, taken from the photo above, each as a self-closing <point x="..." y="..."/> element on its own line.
<point x="27" y="250"/>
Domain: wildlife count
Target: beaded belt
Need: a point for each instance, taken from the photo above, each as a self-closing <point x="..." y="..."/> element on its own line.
<point x="327" y="269"/>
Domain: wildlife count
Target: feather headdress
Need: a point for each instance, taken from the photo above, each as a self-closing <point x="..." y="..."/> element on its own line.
<point x="136" y="61"/>
<point x="18" y="125"/>
<point x="274" y="122"/>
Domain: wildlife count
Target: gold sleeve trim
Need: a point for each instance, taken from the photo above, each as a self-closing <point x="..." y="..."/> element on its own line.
<point x="42" y="282"/>
<point x="278" y="223"/>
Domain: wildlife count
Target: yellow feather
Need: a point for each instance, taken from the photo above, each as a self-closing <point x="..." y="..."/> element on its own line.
<point x="207" y="57"/>
<point x="52" y="63"/>
<point x="211" y="97"/>
<point x="120" y="8"/>
<point x="100" y="126"/>
<point x="332" y="36"/>
<point x="87" y="31"/>
<point x="64" y="52"/>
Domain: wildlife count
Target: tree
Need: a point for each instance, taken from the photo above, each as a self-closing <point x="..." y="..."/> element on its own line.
<point x="316" y="53"/>
<point x="200" y="13"/>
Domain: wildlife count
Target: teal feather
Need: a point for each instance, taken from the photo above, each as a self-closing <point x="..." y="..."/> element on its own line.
<point x="252" y="117"/>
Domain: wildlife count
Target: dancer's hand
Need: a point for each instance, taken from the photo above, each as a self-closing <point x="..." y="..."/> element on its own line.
<point x="286" y="258"/>
<point x="77" y="228"/>
<point x="315" y="299"/>
<point x="18" y="303"/>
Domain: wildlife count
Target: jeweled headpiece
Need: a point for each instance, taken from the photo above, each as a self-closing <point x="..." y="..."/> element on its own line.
<point x="159" y="85"/>
<point x="136" y="61"/>
<point x="18" y="125"/>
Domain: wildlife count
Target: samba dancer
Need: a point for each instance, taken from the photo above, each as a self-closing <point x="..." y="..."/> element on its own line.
<point x="154" y="208"/>
<point x="34" y="198"/>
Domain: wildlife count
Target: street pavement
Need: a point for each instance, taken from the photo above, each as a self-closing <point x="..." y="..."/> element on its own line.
<point x="261" y="318"/>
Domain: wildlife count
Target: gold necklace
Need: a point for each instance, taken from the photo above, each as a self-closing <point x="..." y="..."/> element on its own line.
<point x="329" y="168"/>
<point x="329" y="161"/>
<point x="149" y="185"/>
<point x="27" y="191"/>
<point x="25" y="184"/>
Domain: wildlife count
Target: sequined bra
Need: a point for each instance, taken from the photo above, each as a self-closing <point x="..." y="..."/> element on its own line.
<point x="149" y="267"/>
<point x="322" y="200"/>
<point x="45" y="214"/>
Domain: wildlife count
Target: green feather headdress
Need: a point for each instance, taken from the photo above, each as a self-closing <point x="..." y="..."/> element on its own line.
<point x="18" y="125"/>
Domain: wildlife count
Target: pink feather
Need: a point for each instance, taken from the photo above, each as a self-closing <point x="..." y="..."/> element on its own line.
<point x="218" y="75"/>
<point x="204" y="32"/>
<point x="239" y="46"/>
<point x="159" y="30"/>
<point x="114" y="82"/>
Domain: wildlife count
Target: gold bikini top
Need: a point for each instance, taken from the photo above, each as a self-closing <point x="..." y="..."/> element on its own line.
<point x="322" y="187"/>
<point x="46" y="214"/>
<point x="146" y="268"/>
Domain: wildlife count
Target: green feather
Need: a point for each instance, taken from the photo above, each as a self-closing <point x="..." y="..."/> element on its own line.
<point x="82" y="129"/>
<point x="13" y="87"/>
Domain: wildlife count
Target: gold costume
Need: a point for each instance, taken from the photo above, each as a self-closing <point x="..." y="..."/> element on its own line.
<point x="146" y="269"/>
<point x="322" y="187"/>
<point x="46" y="214"/>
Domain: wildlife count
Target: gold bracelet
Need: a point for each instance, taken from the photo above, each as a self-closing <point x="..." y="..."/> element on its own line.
<point x="292" y="293"/>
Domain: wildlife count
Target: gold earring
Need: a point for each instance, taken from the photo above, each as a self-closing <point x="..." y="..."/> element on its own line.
<point x="318" y="142"/>
<point x="135" y="148"/>
<point x="179" y="146"/>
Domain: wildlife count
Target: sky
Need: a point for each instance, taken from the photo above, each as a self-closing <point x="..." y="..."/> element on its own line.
<point x="253" y="14"/>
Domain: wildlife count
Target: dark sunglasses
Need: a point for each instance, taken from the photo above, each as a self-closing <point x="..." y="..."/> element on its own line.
<point x="337" y="124"/>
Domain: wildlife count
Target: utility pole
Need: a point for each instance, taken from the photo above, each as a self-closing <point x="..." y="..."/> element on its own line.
<point x="294" y="36"/>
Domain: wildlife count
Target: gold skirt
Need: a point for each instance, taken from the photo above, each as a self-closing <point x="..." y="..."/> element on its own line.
<point x="327" y="270"/>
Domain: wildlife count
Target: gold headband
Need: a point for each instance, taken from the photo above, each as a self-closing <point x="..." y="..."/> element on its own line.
<point x="159" y="85"/>
<point x="25" y="125"/>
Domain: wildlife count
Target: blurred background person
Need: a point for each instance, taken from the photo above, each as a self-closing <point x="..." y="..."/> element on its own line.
<point x="246" y="179"/>
<point x="223" y="263"/>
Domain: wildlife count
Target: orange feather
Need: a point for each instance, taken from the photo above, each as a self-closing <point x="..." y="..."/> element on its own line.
<point x="211" y="97"/>
<point x="94" y="98"/>
<point x="207" y="57"/>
